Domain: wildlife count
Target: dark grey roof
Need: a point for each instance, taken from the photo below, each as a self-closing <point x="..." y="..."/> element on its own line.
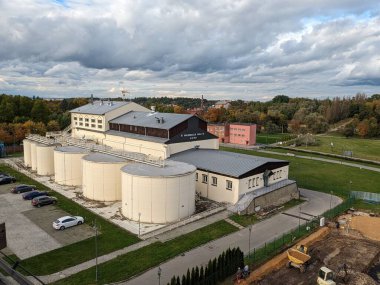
<point x="149" y="119"/>
<point x="137" y="137"/>
<point x="223" y="162"/>
<point x="99" y="107"/>
<point x="172" y="168"/>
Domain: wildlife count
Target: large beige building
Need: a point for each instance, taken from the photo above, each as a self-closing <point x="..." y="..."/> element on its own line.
<point x="155" y="163"/>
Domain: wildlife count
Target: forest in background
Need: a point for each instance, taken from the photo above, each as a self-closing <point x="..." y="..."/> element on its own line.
<point x="20" y="115"/>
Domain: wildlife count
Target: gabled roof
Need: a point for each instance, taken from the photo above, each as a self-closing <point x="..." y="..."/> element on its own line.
<point x="151" y="119"/>
<point x="223" y="162"/>
<point x="99" y="107"/>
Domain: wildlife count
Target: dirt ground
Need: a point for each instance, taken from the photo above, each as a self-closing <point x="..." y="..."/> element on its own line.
<point x="361" y="255"/>
<point x="368" y="226"/>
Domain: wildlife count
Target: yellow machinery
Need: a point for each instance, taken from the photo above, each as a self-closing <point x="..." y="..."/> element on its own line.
<point x="325" y="277"/>
<point x="298" y="257"/>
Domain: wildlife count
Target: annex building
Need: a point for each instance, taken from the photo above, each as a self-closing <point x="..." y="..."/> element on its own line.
<point x="154" y="163"/>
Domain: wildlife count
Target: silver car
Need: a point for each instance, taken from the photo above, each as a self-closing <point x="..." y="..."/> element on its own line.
<point x="67" y="221"/>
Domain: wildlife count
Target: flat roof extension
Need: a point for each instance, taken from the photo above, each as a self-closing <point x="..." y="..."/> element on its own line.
<point x="99" y="107"/>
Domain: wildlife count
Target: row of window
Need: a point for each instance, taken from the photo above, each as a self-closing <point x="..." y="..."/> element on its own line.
<point x="238" y="135"/>
<point x="80" y="119"/>
<point x="253" y="182"/>
<point x="277" y="174"/>
<point x="214" y="181"/>
<point x="88" y="125"/>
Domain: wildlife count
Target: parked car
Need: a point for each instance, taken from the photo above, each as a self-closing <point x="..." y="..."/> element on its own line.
<point x="23" y="188"/>
<point x="43" y="200"/>
<point x="67" y="221"/>
<point x="7" y="179"/>
<point x="33" y="194"/>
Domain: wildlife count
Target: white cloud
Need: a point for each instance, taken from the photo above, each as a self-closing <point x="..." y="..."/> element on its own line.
<point x="246" y="49"/>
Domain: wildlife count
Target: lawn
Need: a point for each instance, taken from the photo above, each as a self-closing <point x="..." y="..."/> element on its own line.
<point x="135" y="262"/>
<point x="111" y="239"/>
<point x="324" y="176"/>
<point x="272" y="138"/>
<point x="246" y="220"/>
<point x="361" y="148"/>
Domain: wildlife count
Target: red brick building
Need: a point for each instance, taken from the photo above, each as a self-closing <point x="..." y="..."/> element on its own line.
<point x="222" y="131"/>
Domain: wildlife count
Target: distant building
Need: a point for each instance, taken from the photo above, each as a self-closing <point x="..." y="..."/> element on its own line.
<point x="222" y="131"/>
<point x="243" y="134"/>
<point x="222" y="104"/>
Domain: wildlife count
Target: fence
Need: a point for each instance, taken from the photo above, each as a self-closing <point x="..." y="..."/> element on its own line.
<point x="279" y="244"/>
<point x="366" y="196"/>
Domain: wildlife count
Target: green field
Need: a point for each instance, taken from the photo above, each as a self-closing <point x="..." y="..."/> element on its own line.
<point x="362" y="148"/>
<point x="272" y="138"/>
<point x="324" y="176"/>
<point x="111" y="239"/>
<point x="135" y="262"/>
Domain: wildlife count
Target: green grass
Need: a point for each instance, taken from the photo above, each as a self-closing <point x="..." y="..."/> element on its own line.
<point x="111" y="239"/>
<point x="135" y="262"/>
<point x="302" y="153"/>
<point x="272" y="138"/>
<point x="246" y="220"/>
<point x="360" y="204"/>
<point x="324" y="176"/>
<point x="362" y="148"/>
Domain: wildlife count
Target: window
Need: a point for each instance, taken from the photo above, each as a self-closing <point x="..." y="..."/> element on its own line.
<point x="80" y="119"/>
<point x="92" y="120"/>
<point x="100" y="121"/>
<point x="229" y="184"/>
<point x="86" y="124"/>
<point x="204" y="178"/>
<point x="75" y="118"/>
<point x="249" y="183"/>
<point x="80" y="124"/>
<point x="214" y="181"/>
<point x="257" y="181"/>
<point x="86" y="119"/>
<point x="92" y="125"/>
<point x="196" y="176"/>
<point x="99" y="126"/>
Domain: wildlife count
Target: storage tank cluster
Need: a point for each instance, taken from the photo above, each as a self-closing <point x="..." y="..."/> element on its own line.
<point x="148" y="193"/>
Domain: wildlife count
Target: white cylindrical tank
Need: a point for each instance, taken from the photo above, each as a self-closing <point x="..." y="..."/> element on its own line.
<point x="102" y="177"/>
<point x="68" y="165"/>
<point x="45" y="159"/>
<point x="158" y="195"/>
<point x="33" y="155"/>
<point x="27" y="152"/>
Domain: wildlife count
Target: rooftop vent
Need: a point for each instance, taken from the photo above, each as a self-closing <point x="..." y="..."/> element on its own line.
<point x="101" y="103"/>
<point x="162" y="120"/>
<point x="157" y="120"/>
<point x="110" y="103"/>
<point x="153" y="108"/>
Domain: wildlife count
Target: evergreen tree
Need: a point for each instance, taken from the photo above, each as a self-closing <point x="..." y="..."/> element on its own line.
<point x="188" y="278"/>
<point x="184" y="280"/>
<point x="178" y="281"/>
<point x="196" y="276"/>
<point x="192" y="276"/>
<point x="173" y="281"/>
<point x="201" y="275"/>
<point x="214" y="272"/>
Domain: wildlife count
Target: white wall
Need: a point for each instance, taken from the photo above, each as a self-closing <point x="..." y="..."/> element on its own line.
<point x="27" y="153"/>
<point x="218" y="192"/>
<point x="178" y="147"/>
<point x="281" y="173"/>
<point x="68" y="168"/>
<point x="45" y="159"/>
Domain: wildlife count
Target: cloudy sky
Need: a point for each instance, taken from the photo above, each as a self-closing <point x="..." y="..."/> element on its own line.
<point x="251" y="50"/>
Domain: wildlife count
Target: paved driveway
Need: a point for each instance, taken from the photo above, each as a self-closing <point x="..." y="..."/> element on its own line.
<point x="29" y="230"/>
<point x="262" y="232"/>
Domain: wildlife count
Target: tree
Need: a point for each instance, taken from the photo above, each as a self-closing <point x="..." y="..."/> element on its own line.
<point x="363" y="128"/>
<point x="6" y="111"/>
<point x="40" y="111"/>
<point x="349" y="130"/>
<point x="280" y="99"/>
<point x="53" y="126"/>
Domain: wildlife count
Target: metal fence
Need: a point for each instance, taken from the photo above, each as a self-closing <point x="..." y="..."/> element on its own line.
<point x="366" y="196"/>
<point x="279" y="244"/>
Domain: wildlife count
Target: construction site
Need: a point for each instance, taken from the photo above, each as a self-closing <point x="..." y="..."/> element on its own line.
<point x="345" y="252"/>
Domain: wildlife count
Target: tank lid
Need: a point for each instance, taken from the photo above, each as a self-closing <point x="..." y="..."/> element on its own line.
<point x="101" y="157"/>
<point x="72" y="149"/>
<point x="172" y="168"/>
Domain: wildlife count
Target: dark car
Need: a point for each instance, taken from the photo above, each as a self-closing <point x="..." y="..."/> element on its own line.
<point x="7" y="179"/>
<point x="43" y="200"/>
<point x="23" y="188"/>
<point x="33" y="194"/>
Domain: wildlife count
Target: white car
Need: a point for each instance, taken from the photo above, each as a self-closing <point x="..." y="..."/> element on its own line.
<point x="67" y="221"/>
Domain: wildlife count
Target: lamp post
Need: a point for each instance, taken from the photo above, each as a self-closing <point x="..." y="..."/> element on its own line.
<point x="159" y="275"/>
<point x="139" y="223"/>
<point x="96" y="251"/>
<point x="249" y="241"/>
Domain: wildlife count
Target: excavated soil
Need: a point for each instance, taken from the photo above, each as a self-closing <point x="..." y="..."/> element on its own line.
<point x="358" y="253"/>
<point x="368" y="226"/>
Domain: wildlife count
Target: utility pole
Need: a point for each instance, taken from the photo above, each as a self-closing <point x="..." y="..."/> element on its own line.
<point x="159" y="275"/>
<point x="249" y="241"/>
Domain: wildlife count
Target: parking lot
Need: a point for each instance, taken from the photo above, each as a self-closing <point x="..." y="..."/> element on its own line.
<point x="29" y="229"/>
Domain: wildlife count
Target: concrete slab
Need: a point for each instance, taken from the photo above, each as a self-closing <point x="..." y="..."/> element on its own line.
<point x="44" y="217"/>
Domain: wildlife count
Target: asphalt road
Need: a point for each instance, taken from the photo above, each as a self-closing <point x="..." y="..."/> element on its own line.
<point x="262" y="232"/>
